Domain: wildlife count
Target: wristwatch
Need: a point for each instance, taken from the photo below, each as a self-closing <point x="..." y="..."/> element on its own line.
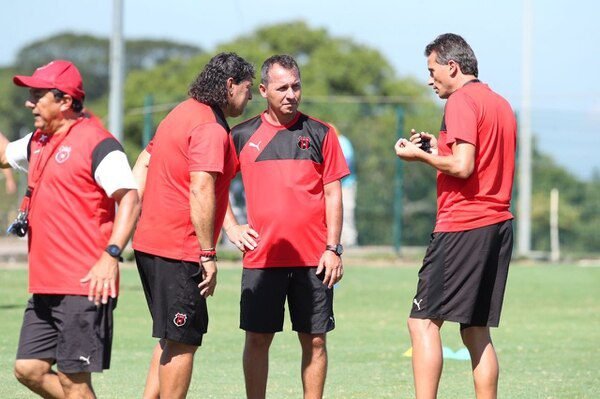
<point x="114" y="251"/>
<point x="337" y="249"/>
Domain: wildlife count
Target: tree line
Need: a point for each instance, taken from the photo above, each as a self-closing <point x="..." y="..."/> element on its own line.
<point x="344" y="82"/>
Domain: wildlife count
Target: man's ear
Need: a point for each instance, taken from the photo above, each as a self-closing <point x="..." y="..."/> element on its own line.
<point x="229" y="85"/>
<point x="66" y="102"/>
<point x="262" y="90"/>
<point x="454" y="68"/>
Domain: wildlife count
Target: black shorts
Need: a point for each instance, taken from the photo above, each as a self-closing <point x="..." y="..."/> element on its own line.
<point x="464" y="276"/>
<point x="69" y="330"/>
<point x="179" y="312"/>
<point x="263" y="297"/>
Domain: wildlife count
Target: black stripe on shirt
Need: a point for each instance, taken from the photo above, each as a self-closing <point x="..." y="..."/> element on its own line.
<point x="102" y="149"/>
<point x="288" y="143"/>
<point x="220" y="117"/>
<point x="241" y="133"/>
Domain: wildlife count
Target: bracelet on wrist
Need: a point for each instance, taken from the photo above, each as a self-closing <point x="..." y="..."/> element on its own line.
<point x="208" y="252"/>
<point x="208" y="255"/>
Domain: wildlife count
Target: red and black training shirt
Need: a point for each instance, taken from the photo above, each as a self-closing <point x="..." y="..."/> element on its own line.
<point x="284" y="170"/>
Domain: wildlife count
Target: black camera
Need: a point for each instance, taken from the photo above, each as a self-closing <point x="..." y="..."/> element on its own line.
<point x="426" y="144"/>
<point x="20" y="226"/>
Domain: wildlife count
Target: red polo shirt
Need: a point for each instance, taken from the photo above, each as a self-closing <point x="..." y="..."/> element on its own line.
<point x="193" y="137"/>
<point x="477" y="115"/>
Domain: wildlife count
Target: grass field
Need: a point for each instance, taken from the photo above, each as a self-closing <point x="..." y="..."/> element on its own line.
<point x="548" y="342"/>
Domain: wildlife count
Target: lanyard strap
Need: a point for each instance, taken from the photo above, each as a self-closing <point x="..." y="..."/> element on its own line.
<point x="40" y="165"/>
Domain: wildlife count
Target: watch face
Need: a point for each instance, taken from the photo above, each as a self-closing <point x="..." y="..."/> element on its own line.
<point x="113" y="251"/>
<point x="338" y="249"/>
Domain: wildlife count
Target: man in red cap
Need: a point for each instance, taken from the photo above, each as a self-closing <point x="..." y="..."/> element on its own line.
<point x="77" y="171"/>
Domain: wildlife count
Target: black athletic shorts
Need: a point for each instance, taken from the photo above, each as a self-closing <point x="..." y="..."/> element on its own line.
<point x="69" y="330"/>
<point x="179" y="312"/>
<point x="264" y="292"/>
<point x="464" y="276"/>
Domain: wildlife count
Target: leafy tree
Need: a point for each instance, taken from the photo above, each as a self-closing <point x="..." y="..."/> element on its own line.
<point x="330" y="67"/>
<point x="13" y="113"/>
<point x="579" y="207"/>
<point x="91" y="55"/>
<point x="344" y="82"/>
<point x="588" y="232"/>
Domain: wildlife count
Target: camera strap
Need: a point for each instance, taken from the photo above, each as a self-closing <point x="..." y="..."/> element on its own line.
<point x="37" y="169"/>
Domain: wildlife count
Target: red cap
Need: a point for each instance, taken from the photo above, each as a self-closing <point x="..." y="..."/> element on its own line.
<point x="58" y="74"/>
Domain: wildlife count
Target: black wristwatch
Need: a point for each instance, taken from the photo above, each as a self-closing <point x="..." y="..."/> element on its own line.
<point x="114" y="251"/>
<point x="337" y="249"/>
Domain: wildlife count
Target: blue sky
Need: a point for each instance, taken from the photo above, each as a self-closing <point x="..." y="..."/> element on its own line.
<point x="566" y="49"/>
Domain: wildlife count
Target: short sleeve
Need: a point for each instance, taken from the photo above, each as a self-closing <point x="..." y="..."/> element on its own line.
<point x="461" y="119"/>
<point x="114" y="173"/>
<point x="207" y="149"/>
<point x="16" y="153"/>
<point x="334" y="163"/>
<point x="110" y="167"/>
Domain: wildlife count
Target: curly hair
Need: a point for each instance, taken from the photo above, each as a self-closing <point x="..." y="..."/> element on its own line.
<point x="450" y="46"/>
<point x="286" y="61"/>
<point x="210" y="87"/>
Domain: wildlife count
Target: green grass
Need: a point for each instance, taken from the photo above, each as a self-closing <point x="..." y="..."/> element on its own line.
<point x="548" y="341"/>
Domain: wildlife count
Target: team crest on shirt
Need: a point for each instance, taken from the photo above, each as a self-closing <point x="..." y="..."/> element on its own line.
<point x="304" y="142"/>
<point x="63" y="154"/>
<point x="180" y="319"/>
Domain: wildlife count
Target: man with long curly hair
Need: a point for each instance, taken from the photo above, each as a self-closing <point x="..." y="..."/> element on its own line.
<point x="184" y="175"/>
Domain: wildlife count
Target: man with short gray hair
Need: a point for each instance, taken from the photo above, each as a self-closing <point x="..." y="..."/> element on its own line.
<point x="466" y="265"/>
<point x="291" y="165"/>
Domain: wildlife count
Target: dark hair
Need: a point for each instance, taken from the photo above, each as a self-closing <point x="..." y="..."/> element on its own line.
<point x="76" y="105"/>
<point x="286" y="61"/>
<point x="450" y="46"/>
<point x="210" y="87"/>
